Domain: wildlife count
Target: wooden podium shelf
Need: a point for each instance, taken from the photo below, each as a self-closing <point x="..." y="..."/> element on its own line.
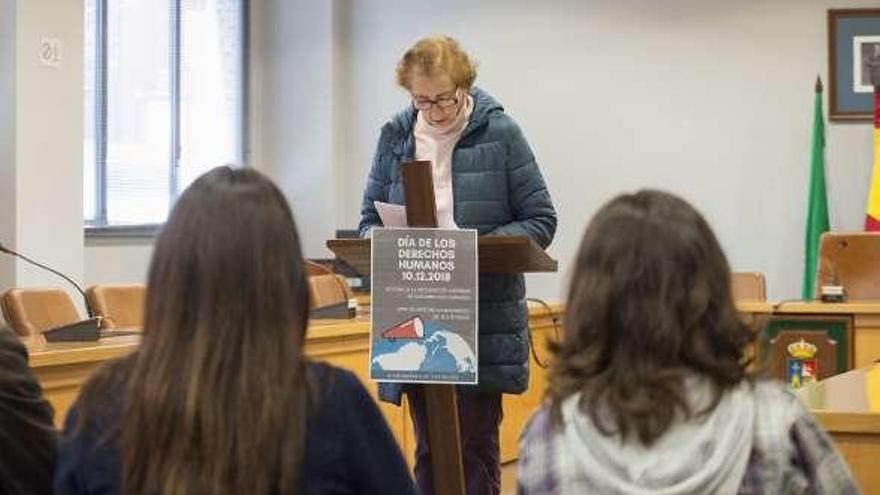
<point x="499" y="254"/>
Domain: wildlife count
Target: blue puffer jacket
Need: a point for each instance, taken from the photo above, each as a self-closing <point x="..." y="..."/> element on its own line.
<point x="497" y="189"/>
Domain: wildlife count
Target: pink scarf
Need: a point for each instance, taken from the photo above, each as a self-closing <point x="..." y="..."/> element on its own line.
<point x="436" y="144"/>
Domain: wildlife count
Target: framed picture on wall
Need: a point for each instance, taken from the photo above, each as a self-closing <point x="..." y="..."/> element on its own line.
<point x="853" y="53"/>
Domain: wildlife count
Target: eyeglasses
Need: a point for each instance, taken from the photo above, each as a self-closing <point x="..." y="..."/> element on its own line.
<point x="441" y="102"/>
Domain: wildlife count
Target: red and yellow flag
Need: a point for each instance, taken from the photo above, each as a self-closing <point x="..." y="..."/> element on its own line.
<point x="872" y="213"/>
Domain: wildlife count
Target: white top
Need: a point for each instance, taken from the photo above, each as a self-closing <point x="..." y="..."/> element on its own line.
<point x="436" y="145"/>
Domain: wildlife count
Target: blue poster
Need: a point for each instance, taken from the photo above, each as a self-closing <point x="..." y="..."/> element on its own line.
<point x="424" y="306"/>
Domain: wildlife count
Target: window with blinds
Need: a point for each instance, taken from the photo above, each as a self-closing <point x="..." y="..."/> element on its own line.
<point x="164" y="97"/>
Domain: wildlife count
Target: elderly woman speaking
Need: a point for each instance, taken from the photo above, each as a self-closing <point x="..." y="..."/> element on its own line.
<point x="485" y="178"/>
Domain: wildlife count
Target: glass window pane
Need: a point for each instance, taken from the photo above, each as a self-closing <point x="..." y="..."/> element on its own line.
<point x="138" y="112"/>
<point x="139" y="105"/>
<point x="89" y="206"/>
<point x="210" y="86"/>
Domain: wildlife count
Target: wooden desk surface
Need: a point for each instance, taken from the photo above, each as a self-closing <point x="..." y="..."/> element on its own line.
<point x="851" y="395"/>
<point x="848" y="407"/>
<point x="65" y="353"/>
<point x="810" y="307"/>
<point x="62" y="367"/>
<point x="326" y="330"/>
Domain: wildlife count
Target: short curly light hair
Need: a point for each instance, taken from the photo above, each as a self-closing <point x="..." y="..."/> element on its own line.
<point x="437" y="55"/>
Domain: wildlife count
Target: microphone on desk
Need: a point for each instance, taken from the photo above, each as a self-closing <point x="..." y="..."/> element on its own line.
<point x="87" y="329"/>
<point x="830" y="288"/>
<point x="342" y="309"/>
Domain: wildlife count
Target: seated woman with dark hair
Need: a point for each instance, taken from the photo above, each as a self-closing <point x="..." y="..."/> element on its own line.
<point x="649" y="390"/>
<point x="27" y="436"/>
<point x="218" y="398"/>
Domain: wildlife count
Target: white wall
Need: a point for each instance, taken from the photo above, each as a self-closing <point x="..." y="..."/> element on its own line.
<point x="292" y="99"/>
<point x="117" y="261"/>
<point x="43" y="161"/>
<point x="709" y="99"/>
<point x="7" y="138"/>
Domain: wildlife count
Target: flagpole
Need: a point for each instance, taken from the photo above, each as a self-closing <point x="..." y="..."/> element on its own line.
<point x="817" y="202"/>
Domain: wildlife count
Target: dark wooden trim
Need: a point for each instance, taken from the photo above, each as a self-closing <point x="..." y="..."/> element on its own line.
<point x="834" y="113"/>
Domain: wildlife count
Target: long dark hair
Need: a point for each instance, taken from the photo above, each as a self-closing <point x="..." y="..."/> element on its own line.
<point x="649" y="304"/>
<point x="215" y="397"/>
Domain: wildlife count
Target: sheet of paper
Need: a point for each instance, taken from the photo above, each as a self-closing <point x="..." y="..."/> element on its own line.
<point x="391" y="215"/>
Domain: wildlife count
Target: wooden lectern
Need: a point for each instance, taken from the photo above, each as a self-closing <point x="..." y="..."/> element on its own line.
<point x="496" y="255"/>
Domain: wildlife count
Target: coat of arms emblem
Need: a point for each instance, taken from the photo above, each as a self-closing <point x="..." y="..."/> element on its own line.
<point x="802" y="363"/>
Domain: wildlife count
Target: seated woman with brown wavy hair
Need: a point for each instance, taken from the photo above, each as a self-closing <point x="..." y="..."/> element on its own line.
<point x="649" y="391"/>
<point x="218" y="398"/>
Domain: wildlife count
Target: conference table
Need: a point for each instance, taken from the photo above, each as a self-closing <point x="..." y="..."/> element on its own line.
<point x="62" y="368"/>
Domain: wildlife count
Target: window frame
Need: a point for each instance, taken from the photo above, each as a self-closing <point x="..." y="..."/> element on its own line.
<point x="98" y="227"/>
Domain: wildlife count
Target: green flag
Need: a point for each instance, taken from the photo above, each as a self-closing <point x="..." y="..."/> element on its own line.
<point x="817" y="204"/>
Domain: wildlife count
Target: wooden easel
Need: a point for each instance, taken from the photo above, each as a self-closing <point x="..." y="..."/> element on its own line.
<point x="441" y="402"/>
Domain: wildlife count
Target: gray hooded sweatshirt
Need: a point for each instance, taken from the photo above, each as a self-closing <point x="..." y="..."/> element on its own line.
<point x="706" y="454"/>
